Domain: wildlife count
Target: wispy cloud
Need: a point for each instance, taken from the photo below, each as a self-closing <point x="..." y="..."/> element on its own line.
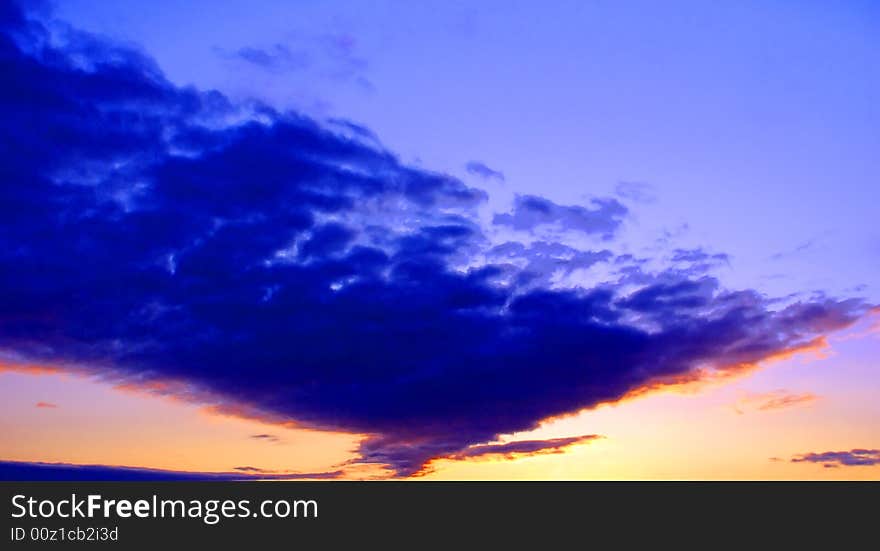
<point x="250" y="469"/>
<point x="638" y="192"/>
<point x="276" y="58"/>
<point x="335" y="56"/>
<point x="480" y="169"/>
<point x="49" y="405"/>
<point x="773" y="400"/>
<point x="265" y="437"/>
<point x="803" y="246"/>
<point x="524" y="448"/>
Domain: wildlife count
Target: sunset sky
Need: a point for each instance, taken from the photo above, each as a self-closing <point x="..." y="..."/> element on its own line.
<point x="442" y="240"/>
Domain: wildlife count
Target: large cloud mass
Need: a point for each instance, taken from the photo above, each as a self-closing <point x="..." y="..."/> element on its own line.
<point x="152" y="233"/>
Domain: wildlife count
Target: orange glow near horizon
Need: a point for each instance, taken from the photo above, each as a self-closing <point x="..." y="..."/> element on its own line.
<point x="686" y="428"/>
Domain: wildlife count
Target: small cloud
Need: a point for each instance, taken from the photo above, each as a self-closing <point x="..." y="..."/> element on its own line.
<point x="668" y="236"/>
<point x="329" y="56"/>
<point x="249" y="469"/>
<point x="276" y="58"/>
<point x="266" y="437"/>
<point x="697" y="261"/>
<point x="698" y="255"/>
<point x="638" y="192"/>
<point x="800" y="247"/>
<point x="480" y="169"/>
<point x="775" y="400"/>
<point x="858" y="457"/>
<point x="49" y="405"/>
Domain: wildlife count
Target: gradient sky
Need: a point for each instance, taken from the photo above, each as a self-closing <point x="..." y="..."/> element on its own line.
<point x="742" y="137"/>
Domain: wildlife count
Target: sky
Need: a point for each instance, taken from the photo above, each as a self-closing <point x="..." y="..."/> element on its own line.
<point x="518" y="240"/>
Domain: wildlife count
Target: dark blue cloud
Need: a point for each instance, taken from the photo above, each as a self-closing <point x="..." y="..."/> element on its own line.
<point x="156" y="234"/>
<point x="22" y="470"/>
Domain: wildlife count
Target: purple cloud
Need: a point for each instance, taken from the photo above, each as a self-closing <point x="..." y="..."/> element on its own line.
<point x="853" y="458"/>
